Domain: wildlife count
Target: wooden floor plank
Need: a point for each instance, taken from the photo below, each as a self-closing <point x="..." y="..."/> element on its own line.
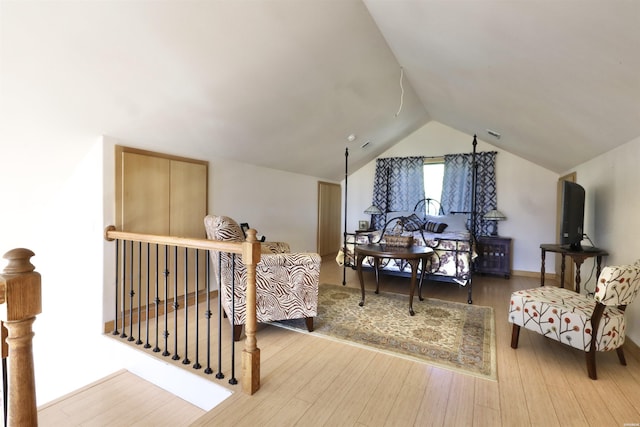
<point x="460" y="403"/>
<point x="537" y="394"/>
<point x="107" y="403"/>
<point x="436" y="397"/>
<point x="388" y="389"/>
<point x="362" y="389"/>
<point x="323" y="408"/>
<point x="405" y="407"/>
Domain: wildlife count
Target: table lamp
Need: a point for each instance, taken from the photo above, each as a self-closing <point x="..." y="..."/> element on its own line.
<point x="494" y="215"/>
<point x="372" y="210"/>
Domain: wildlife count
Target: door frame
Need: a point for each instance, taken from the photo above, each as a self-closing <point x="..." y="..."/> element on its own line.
<point x="329" y="212"/>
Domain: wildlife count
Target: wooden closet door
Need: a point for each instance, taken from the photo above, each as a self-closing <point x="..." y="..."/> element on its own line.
<point x="188" y="207"/>
<point x="162" y="195"/>
<point x="145" y="194"/>
<point x="188" y="199"/>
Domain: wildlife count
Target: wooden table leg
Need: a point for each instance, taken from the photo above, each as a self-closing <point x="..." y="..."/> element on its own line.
<point x="562" y="265"/>
<point x="376" y="265"/>
<point x="598" y="266"/>
<point x="542" y="272"/>
<point x="414" y="273"/>
<point x="424" y="266"/>
<point x="578" y="265"/>
<point x="359" y="259"/>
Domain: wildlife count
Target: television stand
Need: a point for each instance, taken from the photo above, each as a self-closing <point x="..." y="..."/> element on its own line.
<point x="577" y="255"/>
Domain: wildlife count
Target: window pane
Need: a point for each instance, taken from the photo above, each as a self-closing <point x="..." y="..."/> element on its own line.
<point x="433" y="175"/>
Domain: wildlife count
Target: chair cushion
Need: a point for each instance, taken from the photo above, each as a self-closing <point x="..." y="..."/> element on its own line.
<point x="565" y="316"/>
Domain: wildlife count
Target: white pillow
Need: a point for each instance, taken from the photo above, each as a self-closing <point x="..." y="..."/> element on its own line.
<point x="435" y="218"/>
<point x="455" y="222"/>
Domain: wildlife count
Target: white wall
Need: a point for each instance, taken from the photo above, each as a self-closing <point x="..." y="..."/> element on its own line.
<point x="53" y="205"/>
<point x="526" y="192"/>
<point x="280" y="205"/>
<point x="612" y="209"/>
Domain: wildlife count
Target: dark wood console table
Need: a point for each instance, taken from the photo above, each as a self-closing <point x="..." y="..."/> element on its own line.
<point x="578" y="257"/>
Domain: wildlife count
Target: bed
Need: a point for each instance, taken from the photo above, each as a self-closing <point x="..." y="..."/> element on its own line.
<point x="427" y="225"/>
<point x="453" y="245"/>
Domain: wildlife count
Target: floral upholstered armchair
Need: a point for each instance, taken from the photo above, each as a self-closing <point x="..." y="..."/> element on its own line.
<point x="589" y="323"/>
<point x="286" y="283"/>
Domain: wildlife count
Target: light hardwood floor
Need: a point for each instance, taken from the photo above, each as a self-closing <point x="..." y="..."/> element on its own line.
<point x="310" y="381"/>
<point x="122" y="399"/>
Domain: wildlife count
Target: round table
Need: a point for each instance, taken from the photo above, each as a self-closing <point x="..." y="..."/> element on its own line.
<point x="414" y="255"/>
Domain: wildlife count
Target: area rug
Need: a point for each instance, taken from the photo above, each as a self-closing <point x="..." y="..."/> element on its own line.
<point x="450" y="335"/>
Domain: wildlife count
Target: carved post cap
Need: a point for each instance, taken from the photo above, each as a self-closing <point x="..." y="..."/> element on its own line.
<point x="251" y="235"/>
<point x="19" y="261"/>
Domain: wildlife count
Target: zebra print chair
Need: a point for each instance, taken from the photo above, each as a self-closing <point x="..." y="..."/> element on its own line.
<point x="286" y="283"/>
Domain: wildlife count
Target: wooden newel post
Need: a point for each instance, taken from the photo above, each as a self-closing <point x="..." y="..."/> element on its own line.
<point x="20" y="289"/>
<point x="251" y="352"/>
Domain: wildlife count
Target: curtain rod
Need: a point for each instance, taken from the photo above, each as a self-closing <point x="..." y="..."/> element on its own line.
<point x="442" y="155"/>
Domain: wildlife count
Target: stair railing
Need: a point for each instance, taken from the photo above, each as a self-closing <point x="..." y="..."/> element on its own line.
<point x="20" y="290"/>
<point x="250" y="251"/>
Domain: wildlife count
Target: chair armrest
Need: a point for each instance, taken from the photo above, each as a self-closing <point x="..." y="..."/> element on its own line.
<point x="275" y="247"/>
<point x="289" y="259"/>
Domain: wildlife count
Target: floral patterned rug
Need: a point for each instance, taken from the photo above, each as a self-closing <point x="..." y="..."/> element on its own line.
<point x="450" y="335"/>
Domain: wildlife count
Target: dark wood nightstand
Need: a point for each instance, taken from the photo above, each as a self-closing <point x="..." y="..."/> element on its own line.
<point x="494" y="255"/>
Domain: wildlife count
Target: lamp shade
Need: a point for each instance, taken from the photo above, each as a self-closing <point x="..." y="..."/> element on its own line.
<point x="373" y="210"/>
<point x="494" y="215"/>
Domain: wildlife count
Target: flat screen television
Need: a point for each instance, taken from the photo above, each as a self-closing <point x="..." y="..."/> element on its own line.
<point x="572" y="219"/>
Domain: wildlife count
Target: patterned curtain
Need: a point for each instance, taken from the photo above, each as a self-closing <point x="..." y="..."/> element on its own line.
<point x="457" y="187"/>
<point x="398" y="185"/>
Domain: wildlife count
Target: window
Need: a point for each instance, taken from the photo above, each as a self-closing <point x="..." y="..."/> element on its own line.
<point x="433" y="171"/>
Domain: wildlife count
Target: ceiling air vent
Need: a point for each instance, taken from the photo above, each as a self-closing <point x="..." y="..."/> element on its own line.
<point x="493" y="133"/>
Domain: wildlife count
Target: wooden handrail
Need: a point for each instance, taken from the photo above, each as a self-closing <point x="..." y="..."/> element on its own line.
<point x="250" y="251"/>
<point x="20" y="289"/>
<point x="111" y="234"/>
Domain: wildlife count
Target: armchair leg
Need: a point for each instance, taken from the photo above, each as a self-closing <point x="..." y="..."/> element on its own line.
<point x="621" y="356"/>
<point x="591" y="364"/>
<point x="237" y="332"/>
<point x="309" y="322"/>
<point x="515" y="335"/>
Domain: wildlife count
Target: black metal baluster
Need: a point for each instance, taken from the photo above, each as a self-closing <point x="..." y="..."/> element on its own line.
<point x="176" y="356"/>
<point x="139" y="341"/>
<point x="124" y="288"/>
<point x="186" y="360"/>
<point x="197" y="365"/>
<point x="146" y="344"/>
<point x="131" y="295"/>
<point x="156" y="349"/>
<point x="219" y="375"/>
<point x="233" y="379"/>
<point x="115" y="326"/>
<point x="207" y="284"/>
<point x="166" y="301"/>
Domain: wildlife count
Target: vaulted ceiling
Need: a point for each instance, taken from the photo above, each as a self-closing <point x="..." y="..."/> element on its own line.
<point x="282" y="83"/>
